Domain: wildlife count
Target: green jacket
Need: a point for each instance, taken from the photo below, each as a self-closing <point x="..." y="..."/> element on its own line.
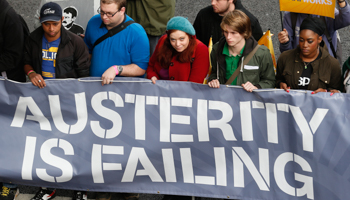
<point x="153" y="15"/>
<point x="259" y="70"/>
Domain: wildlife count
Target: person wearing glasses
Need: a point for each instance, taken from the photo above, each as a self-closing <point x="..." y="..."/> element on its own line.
<point x="125" y="53"/>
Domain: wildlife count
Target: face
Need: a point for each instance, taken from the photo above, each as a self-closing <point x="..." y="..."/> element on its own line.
<point x="233" y="38"/>
<point x="111" y="9"/>
<point x="308" y="42"/>
<point x="221" y="6"/>
<point x="179" y="40"/>
<point x="52" y="29"/>
<point x="67" y="19"/>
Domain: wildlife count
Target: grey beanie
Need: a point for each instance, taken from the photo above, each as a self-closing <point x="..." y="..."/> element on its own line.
<point x="182" y="24"/>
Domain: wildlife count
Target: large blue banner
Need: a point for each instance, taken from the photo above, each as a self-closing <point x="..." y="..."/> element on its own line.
<point x="175" y="138"/>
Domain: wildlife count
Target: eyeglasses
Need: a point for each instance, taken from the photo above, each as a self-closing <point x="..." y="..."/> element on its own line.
<point x="107" y="14"/>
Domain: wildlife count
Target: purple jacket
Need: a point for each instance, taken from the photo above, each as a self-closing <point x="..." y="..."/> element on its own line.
<point x="342" y="19"/>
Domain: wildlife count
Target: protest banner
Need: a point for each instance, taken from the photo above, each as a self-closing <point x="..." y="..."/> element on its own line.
<point x="175" y="138"/>
<point x="316" y="7"/>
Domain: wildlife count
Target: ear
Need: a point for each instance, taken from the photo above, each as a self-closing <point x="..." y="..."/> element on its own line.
<point x="319" y="39"/>
<point x="62" y="18"/>
<point x="122" y="9"/>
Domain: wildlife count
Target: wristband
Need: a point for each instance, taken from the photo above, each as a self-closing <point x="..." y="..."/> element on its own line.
<point x="30" y="71"/>
<point x="116" y="70"/>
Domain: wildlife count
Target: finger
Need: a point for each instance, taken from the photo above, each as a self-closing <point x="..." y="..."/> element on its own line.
<point x="42" y="83"/>
<point x="39" y="83"/>
<point x="103" y="81"/>
<point x="217" y="84"/>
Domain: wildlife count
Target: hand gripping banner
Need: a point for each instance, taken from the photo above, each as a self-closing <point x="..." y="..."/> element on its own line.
<point x="175" y="138"/>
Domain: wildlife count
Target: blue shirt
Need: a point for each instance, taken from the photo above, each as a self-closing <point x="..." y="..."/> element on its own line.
<point x="49" y="53"/>
<point x="130" y="46"/>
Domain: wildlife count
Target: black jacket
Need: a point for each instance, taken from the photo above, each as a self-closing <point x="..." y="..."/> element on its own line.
<point x="207" y="23"/>
<point x="11" y="47"/>
<point x="72" y="60"/>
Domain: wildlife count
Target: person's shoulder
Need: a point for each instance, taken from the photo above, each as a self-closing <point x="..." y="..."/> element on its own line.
<point x="12" y="18"/>
<point x="263" y="49"/>
<point x="37" y="33"/>
<point x="96" y="19"/>
<point x="249" y="14"/>
<point x="135" y="27"/>
<point x="74" y="38"/>
<point x="216" y="46"/>
<point x="205" y="11"/>
<point x="201" y="45"/>
<point x="288" y="54"/>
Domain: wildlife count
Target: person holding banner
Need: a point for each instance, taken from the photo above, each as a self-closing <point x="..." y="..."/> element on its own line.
<point x="237" y="59"/>
<point x="309" y="66"/>
<point x="289" y="37"/>
<point x="117" y="45"/>
<point x="53" y="52"/>
<point x="179" y="55"/>
<point x="207" y="22"/>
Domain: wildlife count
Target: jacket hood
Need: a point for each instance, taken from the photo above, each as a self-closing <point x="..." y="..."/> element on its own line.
<point x="38" y="33"/>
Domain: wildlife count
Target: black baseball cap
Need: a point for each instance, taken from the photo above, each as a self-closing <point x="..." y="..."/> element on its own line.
<point x="50" y="12"/>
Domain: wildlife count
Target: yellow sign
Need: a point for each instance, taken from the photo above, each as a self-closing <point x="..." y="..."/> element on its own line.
<point x="315" y="7"/>
<point x="210" y="47"/>
<point x="267" y="41"/>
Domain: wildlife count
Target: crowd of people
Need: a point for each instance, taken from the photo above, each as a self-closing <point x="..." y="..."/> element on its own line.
<point x="163" y="47"/>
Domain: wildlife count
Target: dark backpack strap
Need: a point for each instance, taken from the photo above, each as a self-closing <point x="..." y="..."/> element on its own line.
<point x="326" y="33"/>
<point x="112" y="32"/>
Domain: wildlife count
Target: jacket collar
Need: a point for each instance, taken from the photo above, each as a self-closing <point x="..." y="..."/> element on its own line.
<point x="323" y="49"/>
<point x="250" y="44"/>
<point x="38" y="34"/>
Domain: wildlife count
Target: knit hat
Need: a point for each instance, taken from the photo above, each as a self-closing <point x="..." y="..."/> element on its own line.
<point x="50" y="12"/>
<point x="181" y="24"/>
<point x="315" y="24"/>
